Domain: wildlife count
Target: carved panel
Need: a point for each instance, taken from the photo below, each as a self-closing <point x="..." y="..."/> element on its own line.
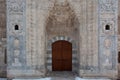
<point x="107" y="51"/>
<point x="108" y="34"/>
<point x="103" y="30"/>
<point x="32" y="27"/>
<point x="16" y="6"/>
<point x="16" y="43"/>
<point x="62" y="20"/>
<point x="107" y="5"/>
<point x="16" y="37"/>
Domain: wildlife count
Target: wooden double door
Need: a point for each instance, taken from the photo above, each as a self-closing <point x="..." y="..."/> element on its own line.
<point x="62" y="56"/>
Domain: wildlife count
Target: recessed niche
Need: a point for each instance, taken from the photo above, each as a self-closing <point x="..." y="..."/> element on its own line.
<point x="107" y="27"/>
<point x="16" y="27"/>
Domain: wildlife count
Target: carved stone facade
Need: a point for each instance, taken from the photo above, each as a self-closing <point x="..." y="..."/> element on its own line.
<point x="33" y="25"/>
<point x="108" y="36"/>
<point x="16" y="36"/>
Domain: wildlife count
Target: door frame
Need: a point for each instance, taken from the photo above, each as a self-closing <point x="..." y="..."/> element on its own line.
<point x="75" y="60"/>
<point x="62" y="53"/>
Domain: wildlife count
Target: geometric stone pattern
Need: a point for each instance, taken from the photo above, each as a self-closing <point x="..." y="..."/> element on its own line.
<point x="16" y="35"/>
<point x="107" y="26"/>
<point x="35" y="37"/>
<point x="31" y="31"/>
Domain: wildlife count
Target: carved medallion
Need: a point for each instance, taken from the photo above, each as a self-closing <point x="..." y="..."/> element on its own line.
<point x="107" y="43"/>
<point x="16" y="43"/>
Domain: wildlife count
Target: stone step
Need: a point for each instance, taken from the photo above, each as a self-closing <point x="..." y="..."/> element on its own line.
<point x="3" y="78"/>
<point x="61" y="78"/>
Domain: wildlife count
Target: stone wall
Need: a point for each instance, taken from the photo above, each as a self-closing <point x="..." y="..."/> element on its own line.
<point x="118" y="17"/>
<point x="2" y="38"/>
<point x="32" y="23"/>
<point x="35" y="24"/>
<point x="88" y="38"/>
<point x="38" y="13"/>
<point x="119" y="25"/>
<point x="62" y="24"/>
<point x="118" y="35"/>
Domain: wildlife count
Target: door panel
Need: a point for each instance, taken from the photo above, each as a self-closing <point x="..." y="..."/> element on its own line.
<point x="67" y="56"/>
<point x="61" y="56"/>
<point x="56" y="56"/>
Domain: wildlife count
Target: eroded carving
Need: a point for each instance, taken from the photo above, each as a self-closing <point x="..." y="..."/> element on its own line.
<point x="107" y="43"/>
<point x="16" y="38"/>
<point x="16" y="62"/>
<point x="62" y="19"/>
<point x="16" y="6"/>
<point x="111" y="24"/>
<point x="107" y="64"/>
<point x="107" y="5"/>
<point x="16" y="53"/>
<point x="16" y="43"/>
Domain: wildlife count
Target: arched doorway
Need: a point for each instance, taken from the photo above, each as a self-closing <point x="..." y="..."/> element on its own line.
<point x="62" y="27"/>
<point x="62" y="56"/>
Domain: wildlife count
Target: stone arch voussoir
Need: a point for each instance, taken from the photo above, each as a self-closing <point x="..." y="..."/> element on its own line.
<point x="49" y="52"/>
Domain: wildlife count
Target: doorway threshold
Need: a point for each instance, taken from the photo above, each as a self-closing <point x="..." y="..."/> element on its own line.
<point x="61" y="74"/>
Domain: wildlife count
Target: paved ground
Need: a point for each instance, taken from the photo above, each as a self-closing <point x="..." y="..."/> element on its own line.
<point x="3" y="79"/>
<point x="61" y="76"/>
